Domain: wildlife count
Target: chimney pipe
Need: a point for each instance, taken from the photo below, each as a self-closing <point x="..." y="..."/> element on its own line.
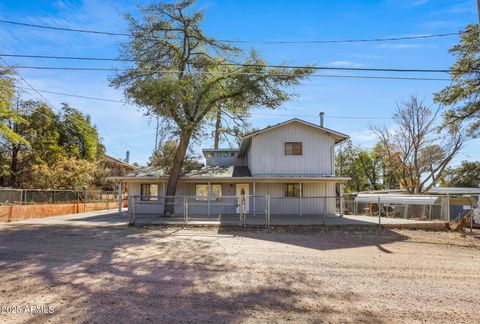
<point x="322" y="114"/>
<point x="127" y="158"/>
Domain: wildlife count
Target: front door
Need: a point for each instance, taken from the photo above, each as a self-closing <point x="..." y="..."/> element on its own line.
<point x="242" y="189"/>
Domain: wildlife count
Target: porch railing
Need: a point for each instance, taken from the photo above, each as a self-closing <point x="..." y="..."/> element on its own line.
<point x="232" y="210"/>
<point x="265" y="210"/>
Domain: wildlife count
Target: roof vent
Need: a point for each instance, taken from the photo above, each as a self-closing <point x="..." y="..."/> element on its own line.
<point x="322" y="114"/>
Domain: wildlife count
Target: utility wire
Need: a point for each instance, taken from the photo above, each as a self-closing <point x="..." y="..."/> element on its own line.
<point x="238" y="64"/>
<point x="51" y="105"/>
<point x="75" y="95"/>
<point x="225" y="72"/>
<point x="324" y="41"/>
<point x="252" y="113"/>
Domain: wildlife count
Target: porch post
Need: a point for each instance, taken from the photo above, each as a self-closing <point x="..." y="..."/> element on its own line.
<point x="163" y="188"/>
<point x="209" y="193"/>
<point x="254" y="200"/>
<point x="341" y="199"/>
<point x="120" y="198"/>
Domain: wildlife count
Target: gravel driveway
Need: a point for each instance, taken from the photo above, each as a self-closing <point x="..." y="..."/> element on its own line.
<point x="124" y="275"/>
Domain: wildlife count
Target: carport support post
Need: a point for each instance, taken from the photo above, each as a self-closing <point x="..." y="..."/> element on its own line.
<point x="341" y="199"/>
<point x="120" y="198"/>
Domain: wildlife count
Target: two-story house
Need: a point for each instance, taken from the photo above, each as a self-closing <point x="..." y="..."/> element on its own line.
<point x="292" y="162"/>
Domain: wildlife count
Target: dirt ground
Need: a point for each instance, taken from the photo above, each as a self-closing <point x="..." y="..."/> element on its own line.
<point x="120" y="274"/>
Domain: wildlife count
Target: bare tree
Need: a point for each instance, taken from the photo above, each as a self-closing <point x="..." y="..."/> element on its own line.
<point x="416" y="149"/>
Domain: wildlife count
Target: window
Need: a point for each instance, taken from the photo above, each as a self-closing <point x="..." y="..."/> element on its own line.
<point x="293" y="148"/>
<point x="232" y="154"/>
<point x="225" y="154"/>
<point x="208" y="154"/>
<point x="148" y="192"/>
<point x="219" y="154"/>
<point x="292" y="190"/>
<point x="201" y="191"/>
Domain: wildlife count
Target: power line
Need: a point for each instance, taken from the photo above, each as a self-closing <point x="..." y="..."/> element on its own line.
<point x="76" y="96"/>
<point x="223" y="72"/>
<point x="238" y="64"/>
<point x="64" y="28"/>
<point x="323" y="41"/>
<point x="252" y="113"/>
<point x="50" y="104"/>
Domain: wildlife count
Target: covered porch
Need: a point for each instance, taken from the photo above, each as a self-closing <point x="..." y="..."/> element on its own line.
<point x="226" y="200"/>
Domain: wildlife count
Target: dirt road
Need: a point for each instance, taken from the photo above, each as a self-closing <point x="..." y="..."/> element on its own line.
<point x="119" y="274"/>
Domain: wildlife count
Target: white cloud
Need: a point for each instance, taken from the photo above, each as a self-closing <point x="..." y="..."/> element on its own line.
<point x="406" y="4"/>
<point x="401" y="46"/>
<point x="344" y="64"/>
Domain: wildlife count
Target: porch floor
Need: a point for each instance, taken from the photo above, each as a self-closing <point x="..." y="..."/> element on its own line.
<point x="279" y="220"/>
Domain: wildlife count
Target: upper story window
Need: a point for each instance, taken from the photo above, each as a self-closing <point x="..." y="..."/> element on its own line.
<point x="293" y="148"/>
<point x="225" y="154"/>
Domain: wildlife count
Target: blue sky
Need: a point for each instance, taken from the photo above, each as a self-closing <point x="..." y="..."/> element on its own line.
<point x="124" y="127"/>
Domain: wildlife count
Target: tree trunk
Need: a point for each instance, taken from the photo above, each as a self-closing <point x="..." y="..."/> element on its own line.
<point x="218" y="125"/>
<point x="169" y="209"/>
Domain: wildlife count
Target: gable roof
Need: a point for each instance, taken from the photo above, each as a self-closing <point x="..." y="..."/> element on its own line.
<point x="119" y="162"/>
<point x="339" y="137"/>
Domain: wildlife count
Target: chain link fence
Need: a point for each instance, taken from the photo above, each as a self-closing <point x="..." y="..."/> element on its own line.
<point x="321" y="210"/>
<point x="44" y="196"/>
<point x="21" y="204"/>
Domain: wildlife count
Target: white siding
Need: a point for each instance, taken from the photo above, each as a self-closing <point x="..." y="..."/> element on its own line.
<point x="311" y="204"/>
<point x="266" y="153"/>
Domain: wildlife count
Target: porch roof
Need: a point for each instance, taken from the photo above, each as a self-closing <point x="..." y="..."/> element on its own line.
<point x="216" y="173"/>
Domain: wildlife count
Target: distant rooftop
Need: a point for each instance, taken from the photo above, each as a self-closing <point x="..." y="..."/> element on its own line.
<point x="454" y="191"/>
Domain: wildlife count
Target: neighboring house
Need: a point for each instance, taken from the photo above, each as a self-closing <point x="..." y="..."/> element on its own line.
<point x="117" y="167"/>
<point x="114" y="168"/>
<point x="293" y="162"/>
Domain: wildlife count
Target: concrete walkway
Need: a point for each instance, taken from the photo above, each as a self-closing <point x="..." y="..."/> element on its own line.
<point x="94" y="218"/>
<point x="283" y="220"/>
<point x="111" y="218"/>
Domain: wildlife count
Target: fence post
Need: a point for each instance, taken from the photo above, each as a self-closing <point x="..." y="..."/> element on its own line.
<point x="208" y="202"/>
<point x="448" y="208"/>
<point x="185" y="210"/>
<point x="341" y="200"/>
<point x="21" y="204"/>
<point x="379" y="213"/>
<point x="131" y="212"/>
<point x="242" y="211"/>
<point x="324" y="206"/>
<point x="267" y="210"/>
<point x="84" y="200"/>
<point x="119" y="198"/>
